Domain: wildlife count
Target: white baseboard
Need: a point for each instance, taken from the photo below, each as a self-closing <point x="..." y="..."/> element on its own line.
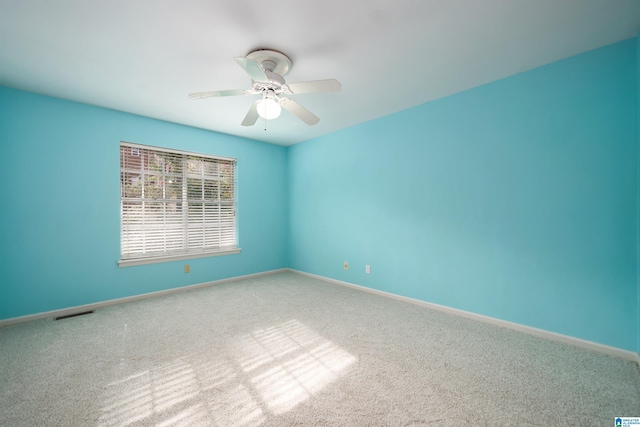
<point x="97" y="305"/>
<point x="578" y="342"/>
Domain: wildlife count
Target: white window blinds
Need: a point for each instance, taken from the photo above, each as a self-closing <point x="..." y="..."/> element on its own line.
<point x="175" y="204"/>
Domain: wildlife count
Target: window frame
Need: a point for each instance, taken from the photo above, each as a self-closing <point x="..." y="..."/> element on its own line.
<point x="184" y="252"/>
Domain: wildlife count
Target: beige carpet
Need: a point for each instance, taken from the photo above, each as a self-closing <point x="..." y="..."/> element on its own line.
<point x="283" y="350"/>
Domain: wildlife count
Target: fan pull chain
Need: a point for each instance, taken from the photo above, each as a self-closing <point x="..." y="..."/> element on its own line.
<point x="264" y="97"/>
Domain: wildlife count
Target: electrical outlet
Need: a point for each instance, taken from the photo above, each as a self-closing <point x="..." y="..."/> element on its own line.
<point x="346" y="265"/>
<point x="187" y="268"/>
<point x="367" y="269"/>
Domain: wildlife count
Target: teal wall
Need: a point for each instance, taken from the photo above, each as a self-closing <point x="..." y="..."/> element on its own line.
<point x="515" y="200"/>
<point x="638" y="194"/>
<point x="59" y="220"/>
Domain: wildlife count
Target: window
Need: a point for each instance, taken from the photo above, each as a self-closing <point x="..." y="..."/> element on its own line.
<point x="175" y="205"/>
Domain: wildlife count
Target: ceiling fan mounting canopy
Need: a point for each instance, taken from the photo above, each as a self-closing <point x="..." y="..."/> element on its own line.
<point x="266" y="69"/>
<point x="271" y="60"/>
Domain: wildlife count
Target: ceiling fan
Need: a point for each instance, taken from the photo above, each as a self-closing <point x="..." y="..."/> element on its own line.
<point x="266" y="69"/>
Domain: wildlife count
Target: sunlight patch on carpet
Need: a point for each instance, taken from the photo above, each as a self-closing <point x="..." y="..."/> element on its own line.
<point x="128" y="401"/>
<point x="269" y="371"/>
<point x="289" y="363"/>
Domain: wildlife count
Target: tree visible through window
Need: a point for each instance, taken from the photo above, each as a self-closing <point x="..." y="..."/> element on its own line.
<point x="175" y="204"/>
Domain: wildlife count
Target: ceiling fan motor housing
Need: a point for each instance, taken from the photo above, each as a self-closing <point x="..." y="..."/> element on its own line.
<point x="274" y="78"/>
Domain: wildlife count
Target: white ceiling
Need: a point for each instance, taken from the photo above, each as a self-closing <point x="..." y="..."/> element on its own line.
<point x="144" y="57"/>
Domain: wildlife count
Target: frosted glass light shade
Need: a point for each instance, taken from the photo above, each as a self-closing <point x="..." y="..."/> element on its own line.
<point x="268" y="108"/>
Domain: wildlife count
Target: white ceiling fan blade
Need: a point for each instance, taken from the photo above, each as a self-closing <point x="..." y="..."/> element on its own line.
<point x="329" y="85"/>
<point x="252" y="68"/>
<point x="299" y="111"/>
<point x="212" y="93"/>
<point x="252" y="116"/>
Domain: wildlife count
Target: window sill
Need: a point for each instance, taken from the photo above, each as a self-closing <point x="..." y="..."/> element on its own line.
<point x="153" y="260"/>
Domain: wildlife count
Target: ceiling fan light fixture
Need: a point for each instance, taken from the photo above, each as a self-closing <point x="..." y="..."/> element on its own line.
<point x="268" y="108"/>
